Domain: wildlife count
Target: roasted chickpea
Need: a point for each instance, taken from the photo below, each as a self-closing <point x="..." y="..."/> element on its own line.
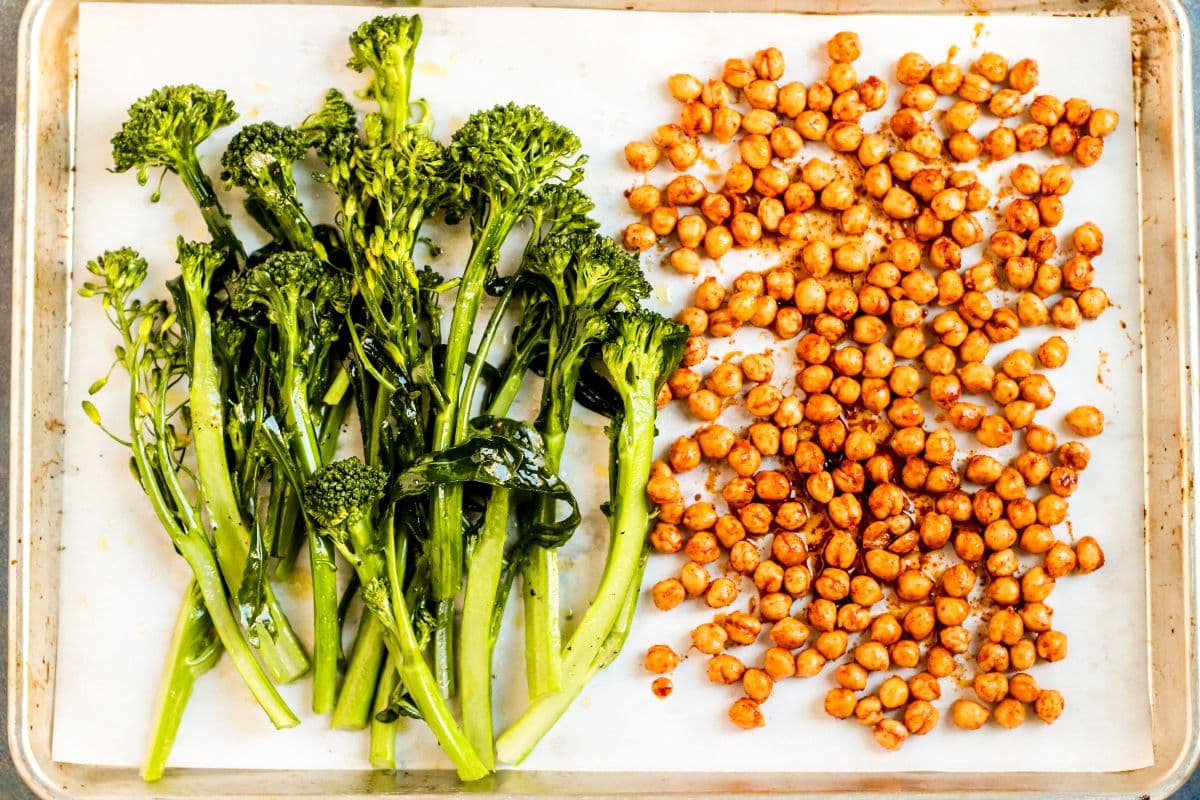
<point x="1052" y="645"/>
<point x="1022" y="655"/>
<point x="1004" y="591"/>
<point x="660" y="658"/>
<point x="1102" y="122"/>
<point x="1036" y="538"/>
<point x="1085" y="421"/>
<point x="1049" y="705"/>
<point x="725" y="669"/>
<point x="809" y="663"/>
<point x="1092" y="302"/>
<point x="993" y="657"/>
<point x="912" y="68"/>
<point x="759" y="121"/>
<point x="746" y="714"/>
<point x="1036" y="585"/>
<point x="968" y="715"/>
<point x="709" y="638"/>
<point x="666" y="537"/>
<point x="778" y="663"/>
<point x="1088" y="150"/>
<point x="839" y="703"/>
<point x="1007" y="103"/>
<point x="757" y="684"/>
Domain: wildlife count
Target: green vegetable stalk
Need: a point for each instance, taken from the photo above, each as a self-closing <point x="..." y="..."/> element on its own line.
<point x="499" y="160"/>
<point x="162" y="131"/>
<point x="153" y="354"/>
<point x="643" y="350"/>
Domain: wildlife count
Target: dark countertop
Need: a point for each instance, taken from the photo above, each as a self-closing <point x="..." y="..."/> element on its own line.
<point x="11" y="787"/>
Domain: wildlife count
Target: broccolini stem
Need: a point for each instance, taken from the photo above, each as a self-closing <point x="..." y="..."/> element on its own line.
<point x="217" y="221"/>
<point x="416" y="676"/>
<point x="383" y="734"/>
<point x="194" y="650"/>
<point x="362" y="675"/>
<point x="476" y="639"/>
<point x="622" y="571"/>
<point x="543" y="635"/>
<point x="327" y="633"/>
<point x="194" y="548"/>
<point x="282" y="653"/>
<point x="446" y="535"/>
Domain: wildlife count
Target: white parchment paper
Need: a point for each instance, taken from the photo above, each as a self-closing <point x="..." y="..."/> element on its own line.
<point x="602" y="74"/>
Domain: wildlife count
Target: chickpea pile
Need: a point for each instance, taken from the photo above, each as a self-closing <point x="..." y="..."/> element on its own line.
<point x="878" y="550"/>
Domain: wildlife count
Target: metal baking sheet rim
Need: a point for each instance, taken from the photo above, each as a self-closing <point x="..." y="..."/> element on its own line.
<point x="42" y="250"/>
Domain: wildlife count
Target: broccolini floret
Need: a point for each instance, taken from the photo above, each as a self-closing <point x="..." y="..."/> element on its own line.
<point x="259" y="159"/>
<point x="386" y="46"/>
<point x="162" y="131"/>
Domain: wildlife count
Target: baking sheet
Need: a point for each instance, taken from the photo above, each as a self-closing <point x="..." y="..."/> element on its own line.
<point x="601" y="73"/>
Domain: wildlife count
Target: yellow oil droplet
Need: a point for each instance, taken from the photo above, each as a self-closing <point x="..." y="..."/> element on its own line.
<point x="432" y="68"/>
<point x="180" y="217"/>
<point x="952" y="52"/>
<point x="128" y="539"/>
<point x="600" y="469"/>
<point x="83" y="600"/>
<point x="103" y="544"/>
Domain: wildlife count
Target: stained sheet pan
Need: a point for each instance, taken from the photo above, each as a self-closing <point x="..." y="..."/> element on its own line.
<point x="1167" y="321"/>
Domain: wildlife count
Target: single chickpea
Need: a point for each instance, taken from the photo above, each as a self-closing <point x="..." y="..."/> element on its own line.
<point x="1006" y="103"/>
<point x="919" y="622"/>
<point x="844" y="137"/>
<point x="964" y="147"/>
<point x="832" y="645"/>
<point x="738" y="73"/>
<point x="709" y="638"/>
<point x="778" y="663"/>
<point x="757" y="684"/>
<point x="994" y="431"/>
<point x="1004" y="591"/>
<point x="695" y="118"/>
<point x="1036" y="585"/>
<point x="1009" y="713"/>
<point x="644" y="199"/>
<point x="809" y="663"/>
<point x="1024" y="688"/>
<point x="890" y="734"/>
<point x="1051" y="645"/>
<point x="1085" y="421"/>
<point x="721" y="592"/>
<point x="1089" y="556"/>
<point x="893" y="692"/>
<point x="792" y="99"/>
<point x="844" y="47"/>
<point x="1102" y="122"/>
<point x="742" y="628"/>
<point x="872" y="656"/>
<point x="660" y="659"/>
<point x="1022" y="655"/>
<point x="746" y="714"/>
<point x="685" y="190"/>
<point x="789" y="633"/>
<point x="873" y="93"/>
<point x="912" y="68"/>
<point x="684" y="87"/>
<point x="991" y="687"/>
<point x="1049" y="705"/>
<point x="968" y="715"/>
<point x="1050" y="210"/>
<point x="1088" y="150"/>
<point x="641" y="156"/>
<point x="1036" y="539"/>
<point x="1024" y="75"/>
<point x="718" y="241"/>
<point x="668" y="594"/>
<point x="1092" y="302"/>
<point x="841" y="78"/>
<point x="946" y="78"/>
<point x="759" y="122"/>
<point x="1047" y="110"/>
<point x="725" y="669"/>
<point x="811" y="124"/>
<point x="768" y="64"/>
<point x="839" y="703"/>
<point x="868" y="711"/>
<point x="820" y="97"/>
<point x="715" y="94"/>
<point x="703" y="548"/>
<point x="663" y="219"/>
<point x="993" y="657"/>
<point x="975" y="88"/>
